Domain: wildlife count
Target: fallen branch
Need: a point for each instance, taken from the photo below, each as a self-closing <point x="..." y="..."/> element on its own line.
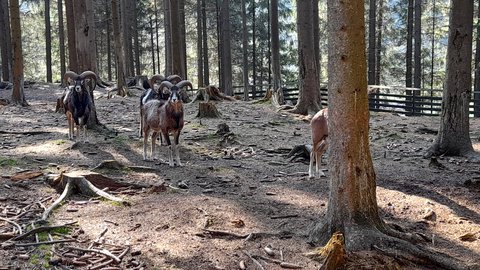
<point x="103" y="252"/>
<point x="45" y="243"/>
<point x="13" y="223"/>
<point x="98" y="238"/>
<point x="31" y="132"/>
<point x="219" y="233"/>
<point x="257" y="263"/>
<point x="41" y="229"/>
<point x="279" y="262"/>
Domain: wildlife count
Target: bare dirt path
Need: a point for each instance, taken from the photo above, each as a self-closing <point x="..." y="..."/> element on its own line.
<point x="241" y="183"/>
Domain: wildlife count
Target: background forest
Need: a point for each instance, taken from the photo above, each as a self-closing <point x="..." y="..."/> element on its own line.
<point x="145" y="35"/>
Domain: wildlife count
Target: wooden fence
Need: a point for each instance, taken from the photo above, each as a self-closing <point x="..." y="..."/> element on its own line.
<point x="408" y="101"/>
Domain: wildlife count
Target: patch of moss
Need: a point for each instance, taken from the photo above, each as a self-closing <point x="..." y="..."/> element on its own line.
<point x="8" y="162"/>
<point x="41" y="257"/>
<point x="59" y="142"/>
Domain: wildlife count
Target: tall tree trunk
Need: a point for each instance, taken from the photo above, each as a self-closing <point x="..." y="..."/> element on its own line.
<point x="109" y="36"/>
<point x="157" y="46"/>
<point x="476" y="86"/>
<point x="18" y="96"/>
<point x="254" y="52"/>
<point x="183" y="39"/>
<point x="378" y="52"/>
<point x="176" y="39"/>
<point x="137" y="47"/>
<point x="168" y="46"/>
<point x="5" y="41"/>
<point x="269" y="45"/>
<point x="85" y="45"/>
<point x="309" y="101"/>
<point x="316" y="36"/>
<point x="408" y="57"/>
<point x="219" y="45"/>
<point x="352" y="206"/>
<point x="152" y="44"/>
<point x="417" y="54"/>
<point x="48" y="41"/>
<point x="453" y="136"/>
<point x="277" y="80"/>
<point x="61" y="39"/>
<point x="126" y="22"/>
<point x="119" y="51"/>
<point x="206" y="66"/>
<point x="226" y="58"/>
<point x="372" y="18"/>
<point x="199" y="45"/>
<point x="245" y="51"/>
<point x="72" y="44"/>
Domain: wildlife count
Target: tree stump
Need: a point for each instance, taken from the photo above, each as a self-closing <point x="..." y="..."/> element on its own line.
<point x="332" y="255"/>
<point x="207" y="110"/>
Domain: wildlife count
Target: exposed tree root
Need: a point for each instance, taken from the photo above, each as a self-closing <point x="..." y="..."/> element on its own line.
<point x="391" y="243"/>
<point x="77" y="181"/>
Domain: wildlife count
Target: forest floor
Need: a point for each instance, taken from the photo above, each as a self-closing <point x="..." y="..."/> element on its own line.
<point x="242" y="184"/>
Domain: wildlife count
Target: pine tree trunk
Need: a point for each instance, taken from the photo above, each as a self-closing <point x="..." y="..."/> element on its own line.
<point x="61" y="39"/>
<point x="157" y="46"/>
<point x="152" y="46"/>
<point x="137" y="48"/>
<point x="245" y="51"/>
<point x="72" y="44"/>
<point x="277" y="80"/>
<point x="226" y="58"/>
<point x="18" y="96"/>
<point x="352" y="202"/>
<point x="168" y="46"/>
<point x="476" y="87"/>
<point x="48" y="41"/>
<point x="206" y="67"/>
<point x="316" y="36"/>
<point x="372" y="15"/>
<point x="453" y="137"/>
<point x="219" y="45"/>
<point x="378" y="48"/>
<point x="309" y="101"/>
<point x="417" y="54"/>
<point x="408" y="57"/>
<point x="5" y="41"/>
<point x="183" y="40"/>
<point x="199" y="45"/>
<point x="254" y="52"/>
<point x="119" y="56"/>
<point x="109" y="45"/>
<point x="176" y="39"/>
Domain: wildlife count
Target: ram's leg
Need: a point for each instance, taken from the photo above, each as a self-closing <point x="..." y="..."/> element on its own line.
<point x="176" y="143"/>
<point x="319" y="152"/>
<point x="146" y="132"/>
<point x="311" y="173"/>
<point x="170" y="152"/>
<point x="154" y="143"/>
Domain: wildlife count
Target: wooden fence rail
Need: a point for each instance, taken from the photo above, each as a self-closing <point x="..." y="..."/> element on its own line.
<point x="408" y="101"/>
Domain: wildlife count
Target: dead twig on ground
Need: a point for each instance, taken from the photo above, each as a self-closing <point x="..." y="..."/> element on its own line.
<point x="102" y="252"/>
<point x="45" y="243"/>
<point x="41" y="229"/>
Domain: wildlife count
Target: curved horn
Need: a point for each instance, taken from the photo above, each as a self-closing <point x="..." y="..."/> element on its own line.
<point x="88" y="75"/>
<point x="156" y="77"/>
<point x="174" y="79"/>
<point x="165" y="84"/>
<point x="69" y="75"/>
<point x="184" y="83"/>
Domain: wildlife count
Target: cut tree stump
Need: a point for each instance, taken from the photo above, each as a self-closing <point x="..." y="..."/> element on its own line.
<point x="211" y="92"/>
<point x="207" y="110"/>
<point x="332" y="255"/>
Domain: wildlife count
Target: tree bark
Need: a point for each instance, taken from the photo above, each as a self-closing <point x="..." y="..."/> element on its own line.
<point x="109" y="36"/>
<point x="48" y="41"/>
<point x="275" y="36"/>
<point x="72" y="47"/>
<point x="316" y="36"/>
<point x="61" y="39"/>
<point x="206" y="66"/>
<point x="18" y="96"/>
<point x="176" y="39"/>
<point x="372" y="23"/>
<point x="226" y="57"/>
<point x="254" y="52"/>
<point x="408" y="57"/>
<point x="476" y="87"/>
<point x="453" y="137"/>
<point x="136" y="29"/>
<point x="168" y="45"/>
<point x="183" y="39"/>
<point x="152" y="46"/>
<point x="156" y="35"/>
<point x="199" y="45"/>
<point x="417" y="54"/>
<point x="378" y="47"/>
<point x="5" y="41"/>
<point x="309" y="101"/>
<point x="119" y="56"/>
<point x="245" y="51"/>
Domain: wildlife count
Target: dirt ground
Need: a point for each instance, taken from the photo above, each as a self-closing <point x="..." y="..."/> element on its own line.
<point x="241" y="184"/>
